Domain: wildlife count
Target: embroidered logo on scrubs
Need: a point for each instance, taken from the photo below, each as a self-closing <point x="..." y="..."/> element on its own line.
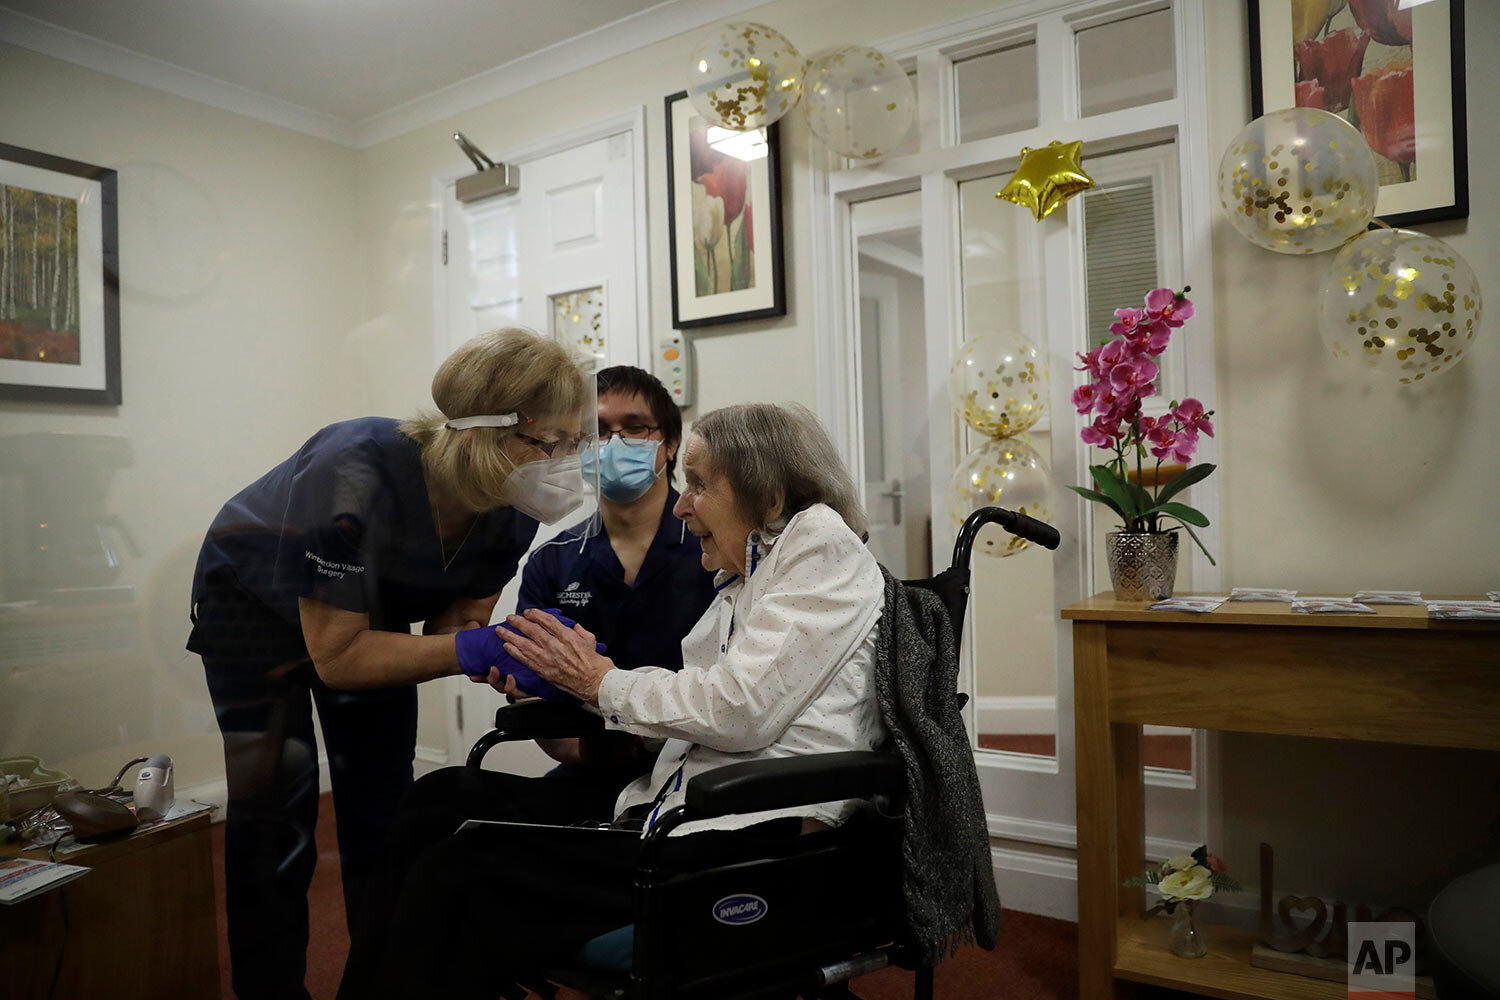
<point x="571" y="596"/>
<point x="741" y="908"/>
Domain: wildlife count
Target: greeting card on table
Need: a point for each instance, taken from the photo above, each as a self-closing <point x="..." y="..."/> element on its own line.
<point x="1198" y="605"/>
<point x="1262" y="594"/>
<point x="1330" y="606"/>
<point x="1389" y="596"/>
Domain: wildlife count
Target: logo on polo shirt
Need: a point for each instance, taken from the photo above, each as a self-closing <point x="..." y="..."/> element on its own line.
<point x="571" y="596"/>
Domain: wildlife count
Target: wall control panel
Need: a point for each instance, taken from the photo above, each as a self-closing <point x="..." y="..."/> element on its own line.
<point x="674" y="367"/>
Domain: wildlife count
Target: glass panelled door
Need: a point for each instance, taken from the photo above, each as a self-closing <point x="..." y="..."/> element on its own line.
<point x="892" y="387"/>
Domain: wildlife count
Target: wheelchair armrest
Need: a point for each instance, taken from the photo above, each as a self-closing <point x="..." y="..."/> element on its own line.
<point x="535" y="720"/>
<point x="545" y="720"/>
<point x="783" y="782"/>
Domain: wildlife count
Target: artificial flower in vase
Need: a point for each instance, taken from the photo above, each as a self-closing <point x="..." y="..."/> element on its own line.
<point x="1122" y="372"/>
<point x="1185" y="881"/>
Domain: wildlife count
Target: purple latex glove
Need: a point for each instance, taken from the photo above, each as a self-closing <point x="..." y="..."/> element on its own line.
<point x="481" y="648"/>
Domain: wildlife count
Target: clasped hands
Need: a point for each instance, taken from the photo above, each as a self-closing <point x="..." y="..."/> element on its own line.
<point x="538" y="654"/>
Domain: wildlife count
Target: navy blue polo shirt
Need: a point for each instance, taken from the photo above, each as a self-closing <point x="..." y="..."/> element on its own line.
<point x="643" y="623"/>
<point x="346" y="521"/>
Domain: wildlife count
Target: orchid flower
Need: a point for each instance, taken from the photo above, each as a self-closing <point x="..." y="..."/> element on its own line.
<point x="1191" y="415"/>
<point x="1167" y="306"/>
<point x="1120" y="376"/>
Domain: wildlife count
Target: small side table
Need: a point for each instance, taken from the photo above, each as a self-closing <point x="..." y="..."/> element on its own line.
<point x="140" y="924"/>
<point x="1395" y="676"/>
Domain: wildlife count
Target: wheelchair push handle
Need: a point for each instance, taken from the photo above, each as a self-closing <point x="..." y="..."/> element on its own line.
<point x="1020" y="525"/>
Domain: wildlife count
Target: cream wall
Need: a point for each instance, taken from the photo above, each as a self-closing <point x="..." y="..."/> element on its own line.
<point x="1329" y="486"/>
<point x="237" y="247"/>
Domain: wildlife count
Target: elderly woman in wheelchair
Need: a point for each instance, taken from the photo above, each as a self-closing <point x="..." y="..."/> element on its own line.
<point x="781" y="665"/>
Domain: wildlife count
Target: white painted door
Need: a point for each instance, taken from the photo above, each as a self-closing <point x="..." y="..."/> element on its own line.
<point x="565" y="245"/>
<point x="562" y="256"/>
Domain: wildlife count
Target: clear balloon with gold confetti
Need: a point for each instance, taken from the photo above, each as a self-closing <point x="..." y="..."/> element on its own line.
<point x="998" y="384"/>
<point x="859" y="101"/>
<point x="744" y="76"/>
<point x="1298" y="181"/>
<point x="1003" y="472"/>
<point x="1400" y="304"/>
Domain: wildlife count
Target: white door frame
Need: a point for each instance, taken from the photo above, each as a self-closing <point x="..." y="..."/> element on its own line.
<point x="633" y="122"/>
<point x="1044" y="881"/>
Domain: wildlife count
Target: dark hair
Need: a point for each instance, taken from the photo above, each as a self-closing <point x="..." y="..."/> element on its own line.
<point x="630" y="381"/>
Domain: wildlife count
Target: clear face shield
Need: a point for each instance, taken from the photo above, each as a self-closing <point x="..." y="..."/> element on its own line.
<point x="555" y="459"/>
<point x="557" y="482"/>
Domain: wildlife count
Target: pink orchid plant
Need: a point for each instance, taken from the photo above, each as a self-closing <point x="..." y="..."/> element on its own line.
<point x="1122" y="372"/>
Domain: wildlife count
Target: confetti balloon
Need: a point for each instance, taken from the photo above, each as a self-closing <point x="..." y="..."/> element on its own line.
<point x="859" y="101"/>
<point x="1002" y="473"/>
<point x="999" y="384"/>
<point x="1403" y="304"/>
<point x="1299" y="181"/>
<point x="744" y="76"/>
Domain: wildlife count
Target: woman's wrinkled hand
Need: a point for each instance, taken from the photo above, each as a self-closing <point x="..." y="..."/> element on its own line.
<point x="567" y="658"/>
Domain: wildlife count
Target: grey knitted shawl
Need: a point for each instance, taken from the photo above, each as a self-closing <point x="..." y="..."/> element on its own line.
<point x="946" y="875"/>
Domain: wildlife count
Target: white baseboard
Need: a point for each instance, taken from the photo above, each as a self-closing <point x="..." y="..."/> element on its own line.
<point x="1034" y="883"/>
<point x="1047" y="885"/>
<point x="216" y="792"/>
<point x="1031" y="831"/>
<point x="1016" y="713"/>
<point x="1030" y="714"/>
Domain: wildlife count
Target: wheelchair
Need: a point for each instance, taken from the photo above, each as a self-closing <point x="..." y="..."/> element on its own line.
<point x="803" y="918"/>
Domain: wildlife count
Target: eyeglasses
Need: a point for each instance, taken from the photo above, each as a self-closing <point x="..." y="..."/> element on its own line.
<point x="633" y="432"/>
<point x="561" y="447"/>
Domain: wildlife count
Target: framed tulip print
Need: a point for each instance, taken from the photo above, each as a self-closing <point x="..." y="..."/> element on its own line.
<point x="59" y="280"/>
<point x="1394" y="69"/>
<point x="723" y="220"/>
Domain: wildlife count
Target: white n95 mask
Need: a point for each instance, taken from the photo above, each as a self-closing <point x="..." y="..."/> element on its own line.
<point x="547" y="490"/>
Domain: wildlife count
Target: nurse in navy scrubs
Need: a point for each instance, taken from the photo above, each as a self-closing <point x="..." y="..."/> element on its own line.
<point x="305" y="592"/>
<point x="640" y="585"/>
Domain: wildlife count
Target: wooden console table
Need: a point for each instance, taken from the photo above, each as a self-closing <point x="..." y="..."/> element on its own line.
<point x="1393" y="677"/>
<point x="141" y="923"/>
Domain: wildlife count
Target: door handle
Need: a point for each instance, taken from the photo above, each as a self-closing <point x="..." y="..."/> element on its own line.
<point x="896" y="493"/>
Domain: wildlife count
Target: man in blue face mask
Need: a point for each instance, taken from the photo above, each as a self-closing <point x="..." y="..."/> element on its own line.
<point x="639" y="585"/>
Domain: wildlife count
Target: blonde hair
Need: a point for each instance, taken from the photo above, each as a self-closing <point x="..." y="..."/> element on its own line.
<point x="504" y="371"/>
<point x="776" y="453"/>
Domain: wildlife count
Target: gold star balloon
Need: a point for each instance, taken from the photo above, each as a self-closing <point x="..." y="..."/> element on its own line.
<point x="1047" y="177"/>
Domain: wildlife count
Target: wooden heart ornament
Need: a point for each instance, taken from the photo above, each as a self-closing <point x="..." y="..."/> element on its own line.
<point x="1291" y="938"/>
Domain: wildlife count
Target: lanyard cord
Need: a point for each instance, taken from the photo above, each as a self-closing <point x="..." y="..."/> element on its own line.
<point x="669" y="786"/>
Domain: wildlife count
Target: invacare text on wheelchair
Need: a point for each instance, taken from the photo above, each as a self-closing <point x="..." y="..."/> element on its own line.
<point x="809" y="913"/>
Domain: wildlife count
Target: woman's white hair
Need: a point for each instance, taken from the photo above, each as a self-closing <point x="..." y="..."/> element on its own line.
<point x="779" y="461"/>
<point x="505" y="371"/>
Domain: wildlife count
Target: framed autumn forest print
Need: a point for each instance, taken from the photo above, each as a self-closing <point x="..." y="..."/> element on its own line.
<point x="59" y="279"/>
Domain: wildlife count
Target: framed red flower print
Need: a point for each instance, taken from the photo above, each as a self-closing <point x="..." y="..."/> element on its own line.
<point x="1393" y="69"/>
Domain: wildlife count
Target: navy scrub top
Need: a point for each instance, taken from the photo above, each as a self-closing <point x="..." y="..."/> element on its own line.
<point x="643" y="624"/>
<point x="346" y="521"/>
